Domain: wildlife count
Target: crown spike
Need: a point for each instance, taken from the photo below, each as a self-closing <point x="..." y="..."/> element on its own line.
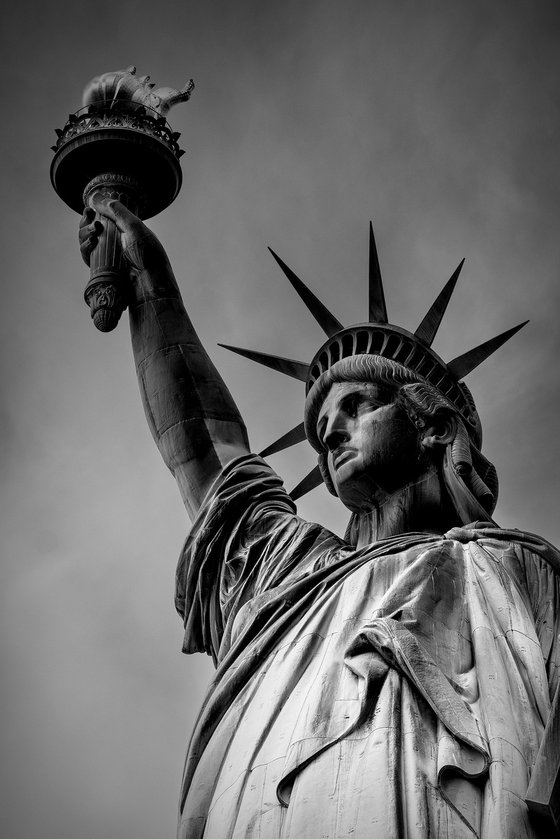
<point x="312" y="479"/>
<point x="427" y="330"/>
<point x="377" y="307"/>
<point x="463" y="364"/>
<point x="327" y="321"/>
<point x="295" y="435"/>
<point x="295" y="369"/>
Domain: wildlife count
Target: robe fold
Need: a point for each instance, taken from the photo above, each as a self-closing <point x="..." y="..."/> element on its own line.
<point x="398" y="690"/>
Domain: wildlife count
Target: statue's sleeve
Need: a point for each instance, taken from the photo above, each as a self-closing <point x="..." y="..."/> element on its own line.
<point x="542" y="576"/>
<point x="246" y="542"/>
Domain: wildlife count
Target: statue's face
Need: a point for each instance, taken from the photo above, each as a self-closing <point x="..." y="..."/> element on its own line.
<point x="372" y="446"/>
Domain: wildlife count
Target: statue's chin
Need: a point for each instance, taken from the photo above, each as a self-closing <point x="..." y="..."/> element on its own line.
<point x="360" y="494"/>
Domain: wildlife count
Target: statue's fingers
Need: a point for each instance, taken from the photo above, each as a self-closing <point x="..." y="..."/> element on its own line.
<point x="102" y="206"/>
<point x="87" y="246"/>
<point x="87" y="217"/>
<point x="125" y="220"/>
<point x="90" y="231"/>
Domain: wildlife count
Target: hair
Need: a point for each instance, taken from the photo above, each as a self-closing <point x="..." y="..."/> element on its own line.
<point x="422" y="402"/>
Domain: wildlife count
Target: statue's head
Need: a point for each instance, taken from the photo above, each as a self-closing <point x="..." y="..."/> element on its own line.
<point x="379" y="427"/>
<point x="383" y="409"/>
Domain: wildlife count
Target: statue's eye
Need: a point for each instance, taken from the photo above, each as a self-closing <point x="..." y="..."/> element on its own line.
<point x="352" y="404"/>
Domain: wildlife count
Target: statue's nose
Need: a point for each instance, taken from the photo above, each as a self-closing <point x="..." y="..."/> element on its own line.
<point x="336" y="432"/>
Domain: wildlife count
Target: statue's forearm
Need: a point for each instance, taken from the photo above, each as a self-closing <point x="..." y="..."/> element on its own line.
<point x="190" y="411"/>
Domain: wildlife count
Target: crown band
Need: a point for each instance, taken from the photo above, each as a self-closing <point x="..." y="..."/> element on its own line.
<point x="396" y="344"/>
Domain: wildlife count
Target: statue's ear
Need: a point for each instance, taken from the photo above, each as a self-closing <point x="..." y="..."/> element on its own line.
<point x="439" y="431"/>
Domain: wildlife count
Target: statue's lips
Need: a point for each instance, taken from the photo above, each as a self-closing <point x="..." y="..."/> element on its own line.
<point x="341" y="456"/>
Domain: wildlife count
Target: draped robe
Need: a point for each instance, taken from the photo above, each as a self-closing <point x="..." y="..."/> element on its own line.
<point x="398" y="690"/>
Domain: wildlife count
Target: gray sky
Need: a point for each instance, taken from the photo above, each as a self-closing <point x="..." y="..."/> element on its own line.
<point x="438" y="120"/>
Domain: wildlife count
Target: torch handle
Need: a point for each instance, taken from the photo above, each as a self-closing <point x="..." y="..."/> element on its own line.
<point x="106" y="291"/>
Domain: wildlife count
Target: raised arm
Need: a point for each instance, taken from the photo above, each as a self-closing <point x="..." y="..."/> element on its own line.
<point x="192" y="416"/>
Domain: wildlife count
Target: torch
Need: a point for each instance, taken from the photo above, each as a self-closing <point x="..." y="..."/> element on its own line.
<point x="118" y="145"/>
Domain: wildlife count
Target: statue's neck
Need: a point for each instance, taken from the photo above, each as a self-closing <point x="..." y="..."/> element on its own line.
<point x="422" y="506"/>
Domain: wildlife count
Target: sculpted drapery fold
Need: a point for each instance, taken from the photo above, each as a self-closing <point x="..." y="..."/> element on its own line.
<point x="395" y="671"/>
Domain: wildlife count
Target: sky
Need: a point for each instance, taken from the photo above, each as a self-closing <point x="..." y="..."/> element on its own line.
<point x="440" y="122"/>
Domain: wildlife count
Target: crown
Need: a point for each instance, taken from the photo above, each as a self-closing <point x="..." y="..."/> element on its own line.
<point x="381" y="338"/>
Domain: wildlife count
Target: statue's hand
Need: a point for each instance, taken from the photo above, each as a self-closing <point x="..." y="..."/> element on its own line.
<point x="88" y="234"/>
<point x="150" y="271"/>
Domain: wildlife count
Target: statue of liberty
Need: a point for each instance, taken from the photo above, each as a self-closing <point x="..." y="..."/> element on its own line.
<point x="395" y="682"/>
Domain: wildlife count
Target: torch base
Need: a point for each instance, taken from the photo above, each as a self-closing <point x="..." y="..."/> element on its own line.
<point x="133" y="154"/>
